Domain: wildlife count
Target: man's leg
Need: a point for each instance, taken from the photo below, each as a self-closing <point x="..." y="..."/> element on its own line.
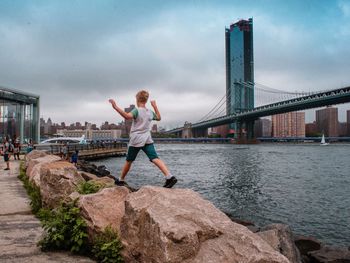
<point x="125" y="170"/>
<point x="153" y="156"/>
<point x="170" y="179"/>
<point x="161" y="165"/>
<point x="130" y="157"/>
<point x="6" y="160"/>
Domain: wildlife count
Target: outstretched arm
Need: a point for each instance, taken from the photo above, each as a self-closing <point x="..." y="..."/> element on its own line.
<point x="125" y="115"/>
<point x="156" y="111"/>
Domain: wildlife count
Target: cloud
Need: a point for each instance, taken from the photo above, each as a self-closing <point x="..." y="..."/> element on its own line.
<point x="77" y="54"/>
<point x="344" y="7"/>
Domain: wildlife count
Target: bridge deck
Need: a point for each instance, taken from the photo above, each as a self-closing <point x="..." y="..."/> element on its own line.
<point x="316" y="100"/>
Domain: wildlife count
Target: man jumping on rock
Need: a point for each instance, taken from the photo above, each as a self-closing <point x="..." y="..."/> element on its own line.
<point x="140" y="137"/>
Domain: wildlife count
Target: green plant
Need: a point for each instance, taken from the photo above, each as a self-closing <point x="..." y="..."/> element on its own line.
<point x="32" y="190"/>
<point x="107" y="247"/>
<point x="88" y="187"/>
<point x="65" y="229"/>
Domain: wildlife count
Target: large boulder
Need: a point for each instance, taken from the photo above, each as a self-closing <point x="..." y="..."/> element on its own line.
<point x="280" y="238"/>
<point x="306" y="244"/>
<point x="34" y="166"/>
<point x="102" y="209"/>
<point x="57" y="181"/>
<point x="177" y="225"/>
<point x="330" y="255"/>
<point x="34" y="155"/>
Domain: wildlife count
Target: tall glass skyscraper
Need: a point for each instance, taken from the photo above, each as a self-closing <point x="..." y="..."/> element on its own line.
<point x="239" y="67"/>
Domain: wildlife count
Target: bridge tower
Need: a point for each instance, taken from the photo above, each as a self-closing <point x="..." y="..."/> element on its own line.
<point x="239" y="69"/>
<point x="187" y="130"/>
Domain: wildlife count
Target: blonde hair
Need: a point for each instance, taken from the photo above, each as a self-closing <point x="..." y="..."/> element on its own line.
<point x="142" y="96"/>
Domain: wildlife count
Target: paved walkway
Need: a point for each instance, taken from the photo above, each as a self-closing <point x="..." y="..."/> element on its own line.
<point x="19" y="229"/>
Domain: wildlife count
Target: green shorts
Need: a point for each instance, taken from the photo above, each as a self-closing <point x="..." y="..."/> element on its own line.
<point x="149" y="150"/>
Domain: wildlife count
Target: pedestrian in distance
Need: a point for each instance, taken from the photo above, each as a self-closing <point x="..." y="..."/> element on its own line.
<point x="74" y="157"/>
<point x="6" y="153"/>
<point x="30" y="146"/>
<point x="17" y="149"/>
<point x="11" y="148"/>
<point x="140" y="137"/>
<point x="64" y="153"/>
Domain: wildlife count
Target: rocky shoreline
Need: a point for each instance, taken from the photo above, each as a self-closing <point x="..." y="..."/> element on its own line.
<point x="169" y="225"/>
<point x="310" y="249"/>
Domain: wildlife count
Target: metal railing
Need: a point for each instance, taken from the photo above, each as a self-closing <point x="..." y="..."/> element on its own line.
<point x="70" y="148"/>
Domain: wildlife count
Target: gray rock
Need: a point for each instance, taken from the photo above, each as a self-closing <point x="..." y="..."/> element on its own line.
<point x="102" y="209"/>
<point x="280" y="237"/>
<point x="34" y="155"/>
<point x="57" y="181"/>
<point x="330" y="255"/>
<point x="34" y="166"/>
<point x="306" y="244"/>
<point x="177" y="225"/>
<point x="87" y="176"/>
<point x="99" y="171"/>
<point x="254" y="229"/>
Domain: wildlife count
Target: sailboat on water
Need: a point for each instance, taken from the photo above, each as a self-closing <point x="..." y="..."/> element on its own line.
<point x="323" y="141"/>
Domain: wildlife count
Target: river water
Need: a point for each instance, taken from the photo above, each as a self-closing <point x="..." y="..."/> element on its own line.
<point x="306" y="186"/>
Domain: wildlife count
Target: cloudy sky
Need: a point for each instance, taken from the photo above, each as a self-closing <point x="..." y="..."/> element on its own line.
<point x="78" y="54"/>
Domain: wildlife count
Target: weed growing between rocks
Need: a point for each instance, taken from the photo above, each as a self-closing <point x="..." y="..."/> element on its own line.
<point x="32" y="190"/>
<point x="107" y="247"/>
<point x="88" y="187"/>
<point x="65" y="229"/>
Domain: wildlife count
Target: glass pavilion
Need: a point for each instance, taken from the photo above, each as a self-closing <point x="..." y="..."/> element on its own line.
<point x="19" y="115"/>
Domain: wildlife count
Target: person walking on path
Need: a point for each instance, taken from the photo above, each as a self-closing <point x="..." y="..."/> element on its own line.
<point x="140" y="137"/>
<point x="16" y="149"/>
<point x="6" y="153"/>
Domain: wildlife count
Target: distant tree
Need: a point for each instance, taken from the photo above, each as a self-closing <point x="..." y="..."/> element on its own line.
<point x="314" y="134"/>
<point x="214" y="136"/>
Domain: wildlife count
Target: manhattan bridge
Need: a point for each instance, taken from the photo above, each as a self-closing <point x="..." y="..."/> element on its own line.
<point x="246" y="100"/>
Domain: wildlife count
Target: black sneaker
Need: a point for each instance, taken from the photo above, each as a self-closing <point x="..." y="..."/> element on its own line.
<point x="120" y="183"/>
<point x="170" y="182"/>
<point x="7" y="169"/>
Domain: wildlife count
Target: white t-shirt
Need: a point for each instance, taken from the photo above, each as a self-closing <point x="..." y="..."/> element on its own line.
<point x="140" y="132"/>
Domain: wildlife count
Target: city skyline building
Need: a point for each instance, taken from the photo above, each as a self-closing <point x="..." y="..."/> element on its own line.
<point x="263" y="128"/>
<point x="76" y="129"/>
<point x="127" y="123"/>
<point x="239" y="66"/>
<point x="290" y="124"/>
<point x="342" y="129"/>
<point x="311" y="130"/>
<point x="327" y="121"/>
<point x="221" y="130"/>
<point x="91" y="134"/>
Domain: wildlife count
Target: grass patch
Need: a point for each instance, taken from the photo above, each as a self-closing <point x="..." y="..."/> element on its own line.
<point x="107" y="247"/>
<point x="32" y="190"/>
<point x="65" y="229"/>
<point x="88" y="187"/>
